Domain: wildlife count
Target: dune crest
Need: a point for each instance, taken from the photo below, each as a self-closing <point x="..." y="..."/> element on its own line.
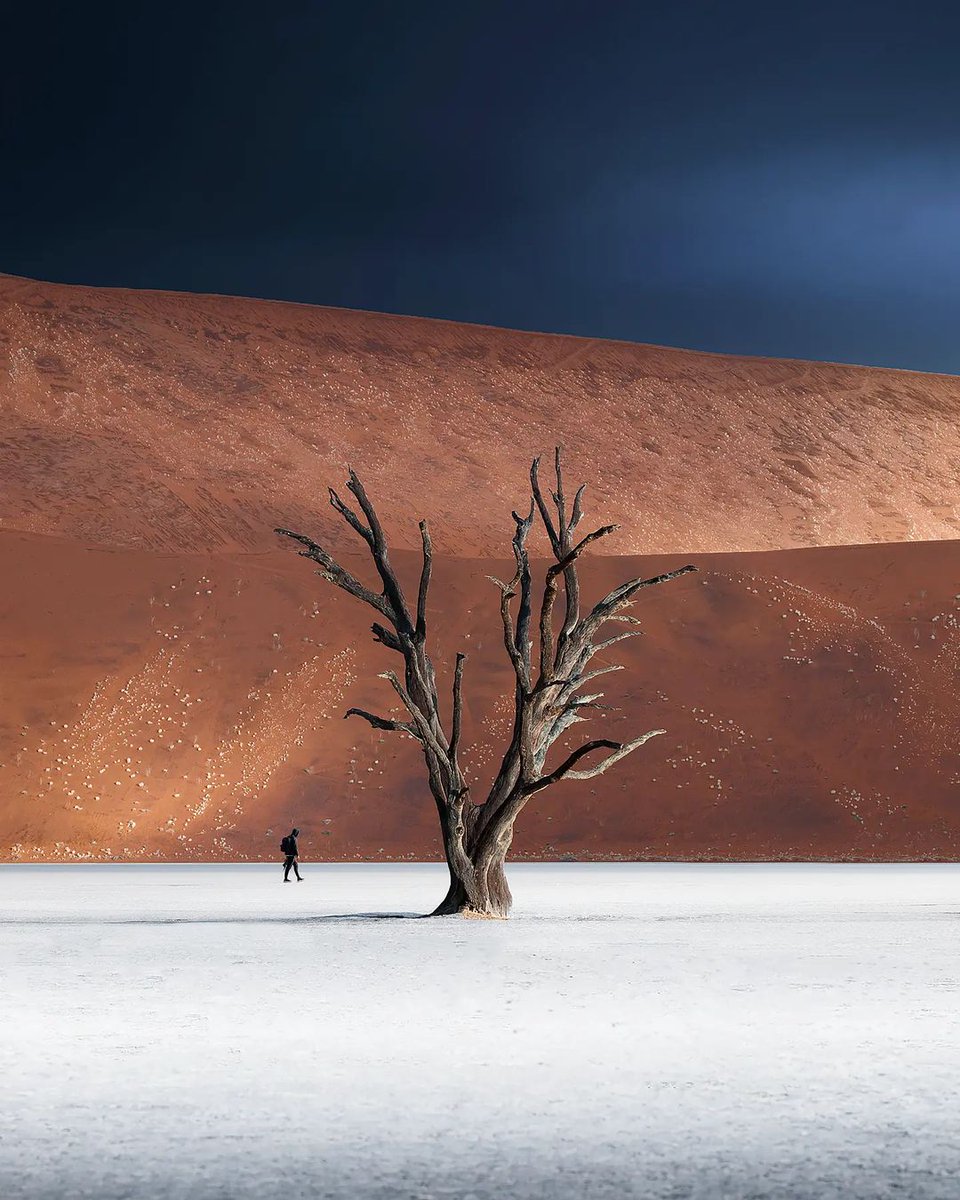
<point x="197" y="423"/>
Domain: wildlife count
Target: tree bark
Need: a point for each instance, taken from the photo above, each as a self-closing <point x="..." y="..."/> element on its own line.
<point x="496" y="899"/>
<point x="480" y="891"/>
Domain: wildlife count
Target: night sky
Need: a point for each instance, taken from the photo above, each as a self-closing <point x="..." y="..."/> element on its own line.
<point x="761" y="178"/>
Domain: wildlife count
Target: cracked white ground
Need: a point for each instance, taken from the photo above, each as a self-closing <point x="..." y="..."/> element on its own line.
<point x="633" y="1030"/>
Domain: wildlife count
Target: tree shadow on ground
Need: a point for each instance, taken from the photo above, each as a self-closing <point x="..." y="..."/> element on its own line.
<point x="315" y="919"/>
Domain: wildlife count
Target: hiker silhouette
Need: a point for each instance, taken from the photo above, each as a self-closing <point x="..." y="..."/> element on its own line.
<point x="291" y="855"/>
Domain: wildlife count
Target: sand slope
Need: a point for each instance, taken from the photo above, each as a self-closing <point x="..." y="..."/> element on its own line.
<point x="173" y="680"/>
<point x="161" y="706"/>
<point x="191" y="423"/>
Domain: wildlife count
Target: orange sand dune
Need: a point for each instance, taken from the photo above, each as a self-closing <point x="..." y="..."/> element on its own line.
<point x="197" y="423"/>
<point x="190" y="707"/>
<point x="172" y="680"/>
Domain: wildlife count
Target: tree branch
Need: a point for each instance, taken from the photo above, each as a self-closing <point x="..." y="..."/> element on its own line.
<point x="350" y="517"/>
<point x="566" y="771"/>
<point x="509" y="637"/>
<point x="542" y="506"/>
<point x="366" y="506"/>
<point x="457" y="712"/>
<point x="558" y="495"/>
<point x="381" y="634"/>
<point x="516" y="637"/>
<point x="569" y="763"/>
<point x="378" y="543"/>
<point x="582" y="679"/>
<point x="625" y="749"/>
<point x="622" y="595"/>
<point x="383" y="722"/>
<point x="599" y="647"/>
<point x="547" y="661"/>
<point x="422" y="724"/>
<point x="571" y="579"/>
<point x="577" y="516"/>
<point x="523" y="580"/>
<point x="589" y="701"/>
<point x="425" y="573"/>
<point x="333" y="572"/>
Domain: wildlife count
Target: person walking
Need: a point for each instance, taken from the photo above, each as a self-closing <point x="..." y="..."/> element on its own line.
<point x="291" y="856"/>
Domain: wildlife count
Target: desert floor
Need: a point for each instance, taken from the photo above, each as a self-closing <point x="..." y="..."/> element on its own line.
<point x="634" y="1030"/>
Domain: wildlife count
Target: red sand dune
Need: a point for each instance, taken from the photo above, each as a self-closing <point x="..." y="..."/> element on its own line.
<point x="196" y="423"/>
<point x="173" y="681"/>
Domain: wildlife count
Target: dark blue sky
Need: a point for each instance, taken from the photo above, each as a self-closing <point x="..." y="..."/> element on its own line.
<point x="766" y="178"/>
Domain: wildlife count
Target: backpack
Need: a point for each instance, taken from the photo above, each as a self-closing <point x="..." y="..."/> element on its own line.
<point x="286" y="845"/>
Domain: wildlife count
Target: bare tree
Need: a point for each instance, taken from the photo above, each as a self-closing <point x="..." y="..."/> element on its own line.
<point x="551" y="668"/>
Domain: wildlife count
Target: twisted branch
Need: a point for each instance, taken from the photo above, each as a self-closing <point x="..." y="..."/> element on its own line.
<point x="566" y="771"/>
<point x="386" y="723"/>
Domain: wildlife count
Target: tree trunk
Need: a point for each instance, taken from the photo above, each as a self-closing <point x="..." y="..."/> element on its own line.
<point x="454" y="901"/>
<point x="481" y="890"/>
<point x="495" y="899"/>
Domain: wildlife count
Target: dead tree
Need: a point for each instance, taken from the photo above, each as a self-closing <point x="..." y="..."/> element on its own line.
<point x="551" y="666"/>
